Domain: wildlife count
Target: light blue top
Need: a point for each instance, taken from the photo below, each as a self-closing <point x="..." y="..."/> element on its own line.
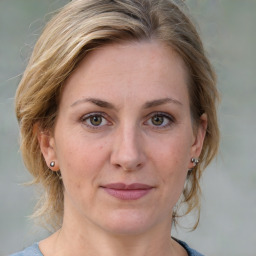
<point x="30" y="251"/>
<point x="35" y="251"/>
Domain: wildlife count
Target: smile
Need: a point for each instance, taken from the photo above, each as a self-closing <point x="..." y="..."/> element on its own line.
<point x="127" y="192"/>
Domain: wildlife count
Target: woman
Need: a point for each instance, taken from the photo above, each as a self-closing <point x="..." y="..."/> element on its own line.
<point x="116" y="107"/>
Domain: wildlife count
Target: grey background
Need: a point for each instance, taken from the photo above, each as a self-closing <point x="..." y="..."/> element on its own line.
<point x="228" y="219"/>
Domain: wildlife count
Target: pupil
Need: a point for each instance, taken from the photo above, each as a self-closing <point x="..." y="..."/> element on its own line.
<point x="96" y="120"/>
<point x="158" y="120"/>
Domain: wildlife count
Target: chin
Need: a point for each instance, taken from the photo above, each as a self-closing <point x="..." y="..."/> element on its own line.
<point x="128" y="222"/>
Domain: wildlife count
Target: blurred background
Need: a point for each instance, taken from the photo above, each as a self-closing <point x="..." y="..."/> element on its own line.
<point x="228" y="217"/>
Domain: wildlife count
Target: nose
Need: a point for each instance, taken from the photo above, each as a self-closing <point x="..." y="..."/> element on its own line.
<point x="128" y="153"/>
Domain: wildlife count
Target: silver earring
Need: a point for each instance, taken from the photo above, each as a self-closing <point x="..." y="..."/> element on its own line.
<point x="195" y="161"/>
<point x="52" y="163"/>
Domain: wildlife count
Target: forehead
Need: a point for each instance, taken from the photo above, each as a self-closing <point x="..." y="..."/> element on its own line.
<point x="150" y="54"/>
<point x="130" y="69"/>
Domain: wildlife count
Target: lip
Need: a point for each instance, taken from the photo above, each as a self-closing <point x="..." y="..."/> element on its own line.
<point x="123" y="191"/>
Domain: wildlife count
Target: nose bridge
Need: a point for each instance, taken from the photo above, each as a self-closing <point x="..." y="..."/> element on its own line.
<point x="127" y="147"/>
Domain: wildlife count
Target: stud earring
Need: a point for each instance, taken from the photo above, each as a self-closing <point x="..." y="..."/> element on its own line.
<point x="52" y="163"/>
<point x="195" y="161"/>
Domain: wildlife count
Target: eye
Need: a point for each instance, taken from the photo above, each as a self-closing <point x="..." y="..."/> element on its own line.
<point x="95" y="120"/>
<point x="160" y="120"/>
<point x="157" y="120"/>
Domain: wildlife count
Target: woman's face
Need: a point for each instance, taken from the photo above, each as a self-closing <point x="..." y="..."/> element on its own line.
<point x="123" y="138"/>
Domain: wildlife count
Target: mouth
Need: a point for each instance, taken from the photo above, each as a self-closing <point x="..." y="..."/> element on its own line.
<point x="122" y="191"/>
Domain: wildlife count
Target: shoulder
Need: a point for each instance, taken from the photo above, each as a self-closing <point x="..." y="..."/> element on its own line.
<point x="190" y="251"/>
<point x="30" y="251"/>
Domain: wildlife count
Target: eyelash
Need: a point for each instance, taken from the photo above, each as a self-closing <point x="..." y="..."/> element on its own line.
<point x="170" y="120"/>
<point x="95" y="114"/>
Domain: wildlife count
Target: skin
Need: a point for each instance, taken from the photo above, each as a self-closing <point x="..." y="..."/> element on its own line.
<point x="139" y="138"/>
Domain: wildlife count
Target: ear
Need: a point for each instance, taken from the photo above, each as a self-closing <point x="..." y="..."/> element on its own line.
<point x="48" y="149"/>
<point x="199" y="135"/>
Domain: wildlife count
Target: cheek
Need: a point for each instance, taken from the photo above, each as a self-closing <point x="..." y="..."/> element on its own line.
<point x="80" y="160"/>
<point x="174" y="168"/>
<point x="172" y="161"/>
<point x="174" y="154"/>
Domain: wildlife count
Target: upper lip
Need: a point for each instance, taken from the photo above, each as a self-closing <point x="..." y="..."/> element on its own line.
<point x="122" y="186"/>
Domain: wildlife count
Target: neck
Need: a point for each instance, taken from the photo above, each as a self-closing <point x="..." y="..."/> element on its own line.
<point x="91" y="241"/>
<point x="80" y="236"/>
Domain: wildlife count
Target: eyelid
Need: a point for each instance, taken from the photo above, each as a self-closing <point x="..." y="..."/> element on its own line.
<point x="163" y="114"/>
<point x="170" y="118"/>
<point x="98" y="113"/>
<point x="160" y="113"/>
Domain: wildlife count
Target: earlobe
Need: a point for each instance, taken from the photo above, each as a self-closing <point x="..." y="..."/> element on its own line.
<point x="199" y="137"/>
<point x="47" y="146"/>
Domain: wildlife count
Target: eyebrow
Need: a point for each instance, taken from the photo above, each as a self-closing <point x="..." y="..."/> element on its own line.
<point x="105" y="104"/>
<point x="155" y="103"/>
<point x="98" y="102"/>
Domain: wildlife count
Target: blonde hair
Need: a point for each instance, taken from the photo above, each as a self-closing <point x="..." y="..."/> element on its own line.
<point x="80" y="27"/>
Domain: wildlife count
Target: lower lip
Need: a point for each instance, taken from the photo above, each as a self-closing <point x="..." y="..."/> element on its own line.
<point x="132" y="194"/>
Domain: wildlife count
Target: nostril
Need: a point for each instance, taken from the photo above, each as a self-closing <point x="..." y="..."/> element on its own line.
<point x="127" y="153"/>
<point x="129" y="167"/>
